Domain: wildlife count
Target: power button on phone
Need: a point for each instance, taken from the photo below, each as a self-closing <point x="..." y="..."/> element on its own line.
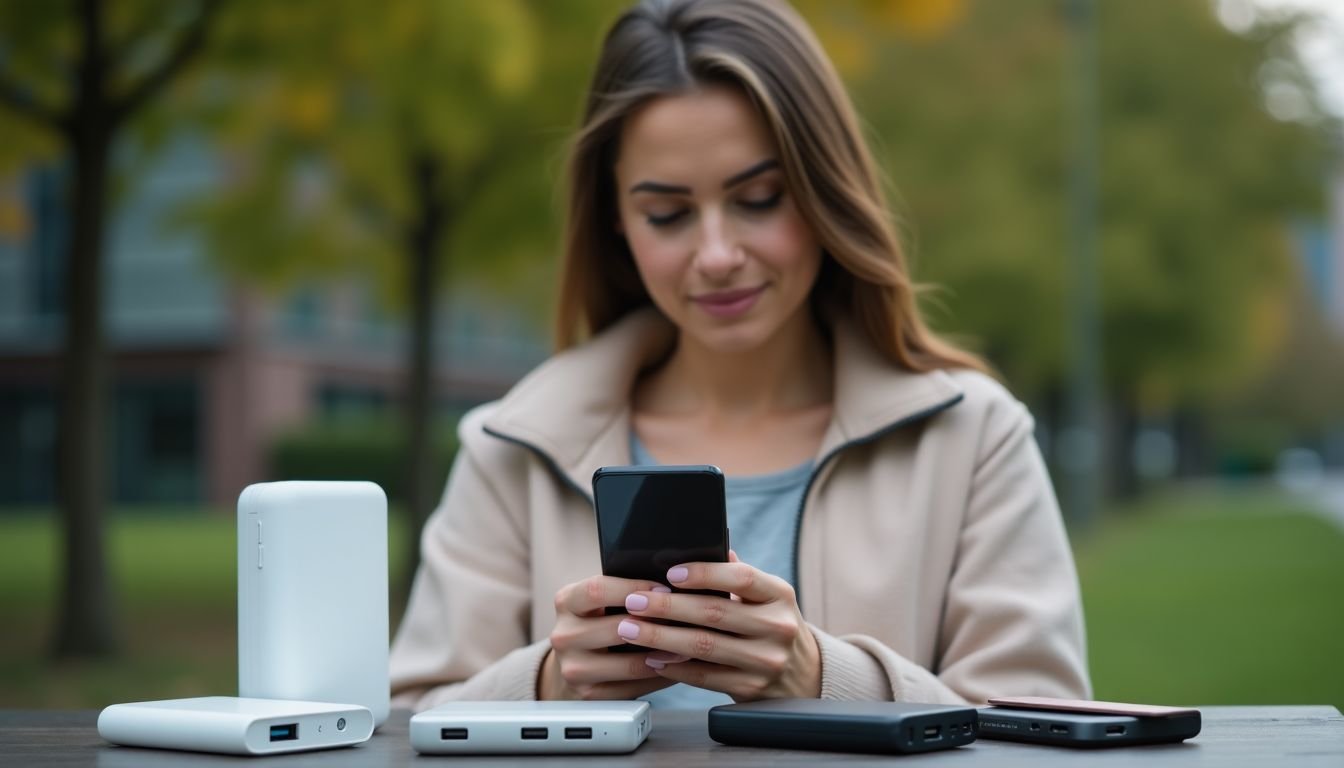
<point x="261" y="553"/>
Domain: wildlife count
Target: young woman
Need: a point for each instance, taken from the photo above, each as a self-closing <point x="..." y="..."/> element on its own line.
<point x="734" y="294"/>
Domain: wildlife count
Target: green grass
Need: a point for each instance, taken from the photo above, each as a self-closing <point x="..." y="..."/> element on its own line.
<point x="1215" y="600"/>
<point x="174" y="579"/>
<point x="1191" y="599"/>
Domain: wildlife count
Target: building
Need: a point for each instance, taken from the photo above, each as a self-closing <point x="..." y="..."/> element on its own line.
<point x="205" y="372"/>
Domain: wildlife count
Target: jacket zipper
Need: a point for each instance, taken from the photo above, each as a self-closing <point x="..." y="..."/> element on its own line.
<point x="807" y="489"/>
<point x="816" y="471"/>
<point x="546" y="458"/>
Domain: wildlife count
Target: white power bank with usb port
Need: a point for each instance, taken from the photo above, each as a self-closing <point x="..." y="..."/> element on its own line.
<point x="234" y="725"/>
<point x="523" y="727"/>
<point x="312" y="593"/>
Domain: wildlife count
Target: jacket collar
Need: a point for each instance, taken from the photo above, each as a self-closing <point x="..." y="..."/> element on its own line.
<point x="574" y="409"/>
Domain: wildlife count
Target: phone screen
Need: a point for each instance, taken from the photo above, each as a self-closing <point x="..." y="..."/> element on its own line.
<point x="650" y="519"/>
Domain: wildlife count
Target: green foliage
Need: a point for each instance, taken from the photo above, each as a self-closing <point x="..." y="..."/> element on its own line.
<point x="349" y="449"/>
<point x="344" y="100"/>
<point x="1197" y="184"/>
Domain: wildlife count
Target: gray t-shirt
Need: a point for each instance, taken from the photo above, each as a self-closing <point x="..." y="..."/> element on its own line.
<point x="762" y="521"/>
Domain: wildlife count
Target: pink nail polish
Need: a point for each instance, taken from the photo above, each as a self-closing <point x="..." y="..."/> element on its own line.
<point x="661" y="588"/>
<point x="654" y="663"/>
<point x="636" y="602"/>
<point x="628" y="629"/>
<point x="678" y="574"/>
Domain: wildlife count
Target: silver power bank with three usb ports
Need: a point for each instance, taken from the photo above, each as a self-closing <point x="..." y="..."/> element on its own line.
<point x="523" y="727"/>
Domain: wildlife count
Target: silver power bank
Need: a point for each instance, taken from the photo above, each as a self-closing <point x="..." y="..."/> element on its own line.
<point x="523" y="727"/>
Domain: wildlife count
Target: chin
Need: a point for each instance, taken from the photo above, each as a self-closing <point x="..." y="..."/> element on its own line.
<point x="741" y="335"/>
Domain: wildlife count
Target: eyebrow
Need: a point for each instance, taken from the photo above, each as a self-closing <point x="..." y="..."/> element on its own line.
<point x="732" y="181"/>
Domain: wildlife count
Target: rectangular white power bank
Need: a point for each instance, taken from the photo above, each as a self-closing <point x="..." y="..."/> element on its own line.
<point x="234" y="725"/>
<point x="520" y="727"/>
<point x="312" y="593"/>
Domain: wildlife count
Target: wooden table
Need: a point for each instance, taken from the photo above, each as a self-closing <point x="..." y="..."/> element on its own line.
<point x="1233" y="736"/>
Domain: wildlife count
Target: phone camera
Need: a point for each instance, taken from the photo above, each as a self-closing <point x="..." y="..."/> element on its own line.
<point x="340" y="724"/>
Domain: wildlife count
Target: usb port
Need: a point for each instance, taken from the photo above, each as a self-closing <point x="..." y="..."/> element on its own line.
<point x="286" y="732"/>
<point x="1059" y="729"/>
<point x="1035" y="726"/>
<point x="965" y="727"/>
<point x="536" y="733"/>
<point x="933" y="732"/>
<point x="578" y="733"/>
<point x="1115" y="730"/>
<point x="452" y="734"/>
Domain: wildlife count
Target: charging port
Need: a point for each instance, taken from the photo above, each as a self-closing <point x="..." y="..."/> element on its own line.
<point x="286" y="732"/>
<point x="933" y="732"/>
<point x="1035" y="726"/>
<point x="452" y="734"/>
<point x="536" y="733"/>
<point x="1059" y="729"/>
<point x="1115" y="730"/>
<point x="578" y="733"/>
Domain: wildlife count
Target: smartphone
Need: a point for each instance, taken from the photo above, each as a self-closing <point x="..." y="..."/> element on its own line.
<point x="521" y="727"/>
<point x="1066" y="728"/>
<point x="651" y="518"/>
<point x="886" y="727"/>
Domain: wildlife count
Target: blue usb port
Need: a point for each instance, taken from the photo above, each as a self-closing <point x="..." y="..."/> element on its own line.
<point x="286" y="732"/>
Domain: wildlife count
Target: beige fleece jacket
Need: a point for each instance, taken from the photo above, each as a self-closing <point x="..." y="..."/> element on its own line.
<point x="932" y="564"/>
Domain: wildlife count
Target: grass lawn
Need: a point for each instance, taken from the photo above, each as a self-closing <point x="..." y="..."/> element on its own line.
<point x="1191" y="599"/>
<point x="1215" y="599"/>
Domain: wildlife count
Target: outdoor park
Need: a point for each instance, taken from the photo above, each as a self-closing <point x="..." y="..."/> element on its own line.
<point x="1135" y="210"/>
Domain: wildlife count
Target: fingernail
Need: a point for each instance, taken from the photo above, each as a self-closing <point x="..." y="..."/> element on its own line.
<point x="654" y="663"/>
<point x="678" y="574"/>
<point x="636" y="602"/>
<point x="628" y="629"/>
<point x="661" y="588"/>
<point x="665" y="658"/>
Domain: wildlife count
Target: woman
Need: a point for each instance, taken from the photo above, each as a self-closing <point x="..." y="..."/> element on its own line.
<point x="744" y="302"/>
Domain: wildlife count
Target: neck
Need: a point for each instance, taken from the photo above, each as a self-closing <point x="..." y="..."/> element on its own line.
<point x="790" y="371"/>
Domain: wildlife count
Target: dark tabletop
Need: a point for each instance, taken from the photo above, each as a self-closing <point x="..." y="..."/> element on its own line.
<point x="1232" y="736"/>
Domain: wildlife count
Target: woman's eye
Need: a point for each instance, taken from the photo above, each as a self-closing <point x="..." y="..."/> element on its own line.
<point x="666" y="219"/>
<point x="762" y="203"/>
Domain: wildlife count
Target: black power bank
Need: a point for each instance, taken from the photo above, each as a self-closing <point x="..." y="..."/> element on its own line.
<point x="843" y="726"/>
<point x="1077" y="729"/>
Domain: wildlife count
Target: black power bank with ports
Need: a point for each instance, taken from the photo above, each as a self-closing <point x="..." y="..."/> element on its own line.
<point x="887" y="727"/>
<point x="1080" y="729"/>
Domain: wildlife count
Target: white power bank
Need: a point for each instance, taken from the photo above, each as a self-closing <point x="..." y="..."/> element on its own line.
<point x="518" y="727"/>
<point x="234" y="725"/>
<point x="312" y="593"/>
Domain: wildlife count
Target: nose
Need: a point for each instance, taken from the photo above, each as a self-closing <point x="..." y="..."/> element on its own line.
<point x="718" y="253"/>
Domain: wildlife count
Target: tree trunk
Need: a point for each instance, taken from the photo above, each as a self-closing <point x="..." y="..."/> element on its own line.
<point x="85" y="624"/>
<point x="425" y="238"/>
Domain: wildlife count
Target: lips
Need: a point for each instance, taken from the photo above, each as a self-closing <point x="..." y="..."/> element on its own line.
<point x="725" y="304"/>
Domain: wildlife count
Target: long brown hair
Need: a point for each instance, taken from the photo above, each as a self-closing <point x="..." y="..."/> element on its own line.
<point x="666" y="47"/>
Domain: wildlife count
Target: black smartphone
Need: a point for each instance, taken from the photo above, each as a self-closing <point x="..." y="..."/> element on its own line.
<point x="652" y="518"/>
<point x="1083" y="729"/>
<point x="888" y="727"/>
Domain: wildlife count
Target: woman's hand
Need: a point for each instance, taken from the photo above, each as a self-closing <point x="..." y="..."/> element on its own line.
<point x="753" y="646"/>
<point x="579" y="666"/>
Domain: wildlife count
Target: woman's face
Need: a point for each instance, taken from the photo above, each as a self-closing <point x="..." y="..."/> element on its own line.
<point x="718" y="241"/>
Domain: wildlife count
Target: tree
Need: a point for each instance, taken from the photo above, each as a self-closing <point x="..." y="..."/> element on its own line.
<point x="78" y="76"/>
<point x="422" y="137"/>
<point x="1197" y="186"/>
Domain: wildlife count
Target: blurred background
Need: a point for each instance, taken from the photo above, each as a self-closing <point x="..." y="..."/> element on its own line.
<point x="244" y="240"/>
